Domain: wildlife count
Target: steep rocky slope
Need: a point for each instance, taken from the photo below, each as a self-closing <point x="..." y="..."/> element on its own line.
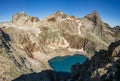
<point x="14" y="62"/>
<point x="29" y="42"/>
<point x="103" y="66"/>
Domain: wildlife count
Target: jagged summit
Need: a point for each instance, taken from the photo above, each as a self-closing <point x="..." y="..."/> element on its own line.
<point x="59" y="12"/>
<point x="22" y="12"/>
<point x="95" y="12"/>
<point x="95" y="18"/>
<point x="58" y="16"/>
<point x="23" y="19"/>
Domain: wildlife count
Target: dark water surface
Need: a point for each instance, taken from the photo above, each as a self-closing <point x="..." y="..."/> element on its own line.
<point x="64" y="64"/>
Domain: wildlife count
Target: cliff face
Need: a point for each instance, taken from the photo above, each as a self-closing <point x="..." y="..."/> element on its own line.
<point x="32" y="42"/>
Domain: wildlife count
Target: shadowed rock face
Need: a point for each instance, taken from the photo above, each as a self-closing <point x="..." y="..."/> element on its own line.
<point x="103" y="66"/>
<point x="28" y="43"/>
<point x="46" y="75"/>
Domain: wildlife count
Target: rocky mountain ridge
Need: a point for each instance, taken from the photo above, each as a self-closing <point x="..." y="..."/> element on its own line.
<point x="59" y="34"/>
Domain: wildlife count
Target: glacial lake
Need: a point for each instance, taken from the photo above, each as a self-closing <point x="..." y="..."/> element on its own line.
<point x="64" y="64"/>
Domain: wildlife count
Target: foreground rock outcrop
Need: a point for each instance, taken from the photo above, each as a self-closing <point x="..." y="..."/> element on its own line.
<point x="103" y="66"/>
<point x="27" y="43"/>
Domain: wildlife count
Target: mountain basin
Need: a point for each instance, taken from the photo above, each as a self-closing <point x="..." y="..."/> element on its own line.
<point x="64" y="64"/>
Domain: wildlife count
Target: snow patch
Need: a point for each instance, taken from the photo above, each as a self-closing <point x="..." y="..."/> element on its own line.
<point x="57" y="45"/>
<point x="79" y="32"/>
<point x="69" y="18"/>
<point x="51" y="47"/>
<point x="77" y="21"/>
<point x="66" y="44"/>
<point x="76" y="50"/>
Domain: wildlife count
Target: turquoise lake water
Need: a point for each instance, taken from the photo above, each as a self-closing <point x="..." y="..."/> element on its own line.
<point x="63" y="64"/>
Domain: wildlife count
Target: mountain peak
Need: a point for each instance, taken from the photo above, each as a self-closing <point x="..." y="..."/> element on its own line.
<point x="93" y="16"/>
<point x="59" y="13"/>
<point x="94" y="12"/>
<point x="22" y="19"/>
<point x="22" y="13"/>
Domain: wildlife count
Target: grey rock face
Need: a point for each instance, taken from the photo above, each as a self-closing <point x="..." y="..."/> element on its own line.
<point x="117" y="28"/>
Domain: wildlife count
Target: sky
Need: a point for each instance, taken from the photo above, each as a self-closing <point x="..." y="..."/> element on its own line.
<point x="109" y="10"/>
